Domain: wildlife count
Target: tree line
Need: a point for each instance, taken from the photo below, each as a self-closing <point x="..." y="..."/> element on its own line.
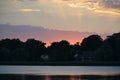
<point x="36" y="51"/>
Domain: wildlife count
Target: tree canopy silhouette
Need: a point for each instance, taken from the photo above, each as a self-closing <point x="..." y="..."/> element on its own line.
<point x="36" y="51"/>
<point x="60" y="51"/>
<point x="91" y="43"/>
<point x="110" y="50"/>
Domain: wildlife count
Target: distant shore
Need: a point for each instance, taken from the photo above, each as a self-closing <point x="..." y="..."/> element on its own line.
<point x="68" y="77"/>
<point x="63" y="63"/>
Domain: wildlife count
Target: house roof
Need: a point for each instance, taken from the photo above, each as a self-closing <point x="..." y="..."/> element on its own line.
<point x="87" y="54"/>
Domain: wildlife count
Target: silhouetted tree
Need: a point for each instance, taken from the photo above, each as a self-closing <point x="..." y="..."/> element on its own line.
<point x="60" y="51"/>
<point x="20" y="54"/>
<point x="114" y="42"/>
<point x="16" y="50"/>
<point x="7" y="46"/>
<point x="35" y="49"/>
<point x="76" y="50"/>
<point x="11" y="44"/>
<point x="110" y="50"/>
<point x="105" y="53"/>
<point x="5" y="54"/>
<point x="91" y="43"/>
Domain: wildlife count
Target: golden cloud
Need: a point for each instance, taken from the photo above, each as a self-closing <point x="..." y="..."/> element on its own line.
<point x="98" y="6"/>
<point x="29" y="10"/>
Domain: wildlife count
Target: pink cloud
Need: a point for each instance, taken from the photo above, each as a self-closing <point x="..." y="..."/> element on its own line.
<point x="24" y="32"/>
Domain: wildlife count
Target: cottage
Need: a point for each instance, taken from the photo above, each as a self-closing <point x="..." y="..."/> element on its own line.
<point x="86" y="56"/>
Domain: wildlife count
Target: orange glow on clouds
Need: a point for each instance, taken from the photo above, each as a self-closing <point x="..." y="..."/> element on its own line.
<point x="107" y="12"/>
<point x="96" y="7"/>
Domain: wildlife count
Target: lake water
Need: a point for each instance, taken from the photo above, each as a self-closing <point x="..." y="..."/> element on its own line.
<point x="60" y="71"/>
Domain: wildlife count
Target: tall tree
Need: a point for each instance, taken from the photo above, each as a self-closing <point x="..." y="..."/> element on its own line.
<point x="7" y="46"/>
<point x="60" y="51"/>
<point x="110" y="50"/>
<point x="11" y="43"/>
<point x="35" y="49"/>
<point x="91" y="43"/>
<point x="114" y="42"/>
<point x="105" y="53"/>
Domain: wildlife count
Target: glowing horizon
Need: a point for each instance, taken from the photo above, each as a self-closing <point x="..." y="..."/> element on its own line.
<point x="48" y="36"/>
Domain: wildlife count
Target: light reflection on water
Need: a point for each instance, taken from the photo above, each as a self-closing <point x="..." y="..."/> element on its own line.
<point x="59" y="72"/>
<point x="60" y="77"/>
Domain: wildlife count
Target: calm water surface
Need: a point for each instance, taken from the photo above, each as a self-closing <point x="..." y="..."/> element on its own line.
<point x="60" y="70"/>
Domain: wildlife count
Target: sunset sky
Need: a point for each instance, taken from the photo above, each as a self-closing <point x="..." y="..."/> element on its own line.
<point x="100" y="16"/>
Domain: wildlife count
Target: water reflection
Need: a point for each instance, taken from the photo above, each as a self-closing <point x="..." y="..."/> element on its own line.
<point x="59" y="72"/>
<point x="58" y="77"/>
